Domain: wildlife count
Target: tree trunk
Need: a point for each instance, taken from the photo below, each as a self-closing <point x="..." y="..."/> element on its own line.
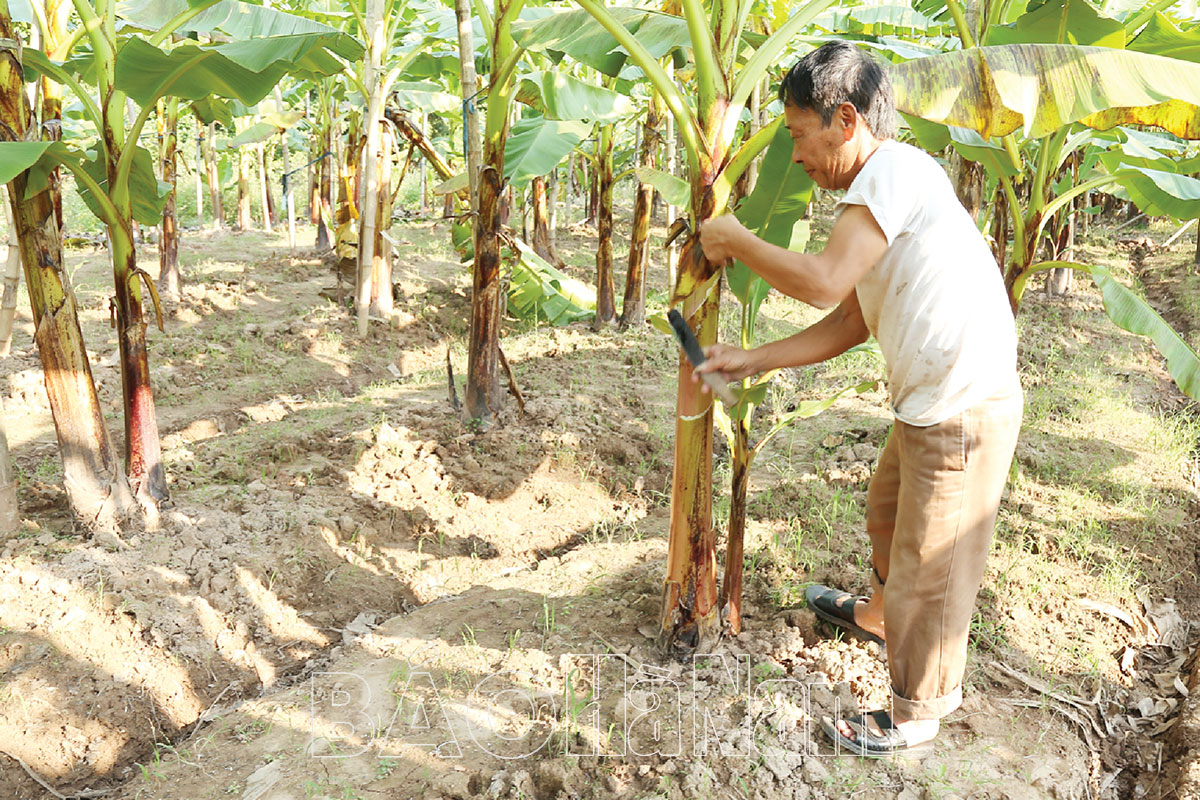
<point x="552" y="205"/>
<point x="381" y="267"/>
<point x="268" y="211"/>
<point x="322" y="199"/>
<point x="690" y="618"/>
<point x="168" y="239"/>
<point x="96" y="489"/>
<point x="375" y="31"/>
<point x="288" y="201"/>
<point x="593" y="199"/>
<point x="1000" y="222"/>
<point x="484" y="396"/>
<point x="605" y="305"/>
<point x="470" y="86"/>
<point x="214" y="178"/>
<point x="12" y="275"/>
<point x="672" y="147"/>
<point x="731" y="581"/>
<point x="633" y="307"/>
<point x="245" y="221"/>
<point x="541" y="224"/>
<point x="199" y="174"/>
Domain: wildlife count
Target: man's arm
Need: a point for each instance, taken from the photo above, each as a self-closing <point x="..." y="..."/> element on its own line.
<point x="855" y="245"/>
<point x="836" y="333"/>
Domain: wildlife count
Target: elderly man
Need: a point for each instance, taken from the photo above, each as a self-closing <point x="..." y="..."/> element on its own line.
<point x="904" y="262"/>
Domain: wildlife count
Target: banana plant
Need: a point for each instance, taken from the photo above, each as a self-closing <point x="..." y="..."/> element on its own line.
<point x="110" y="63"/>
<point x="718" y="150"/>
<point x="1051" y="97"/>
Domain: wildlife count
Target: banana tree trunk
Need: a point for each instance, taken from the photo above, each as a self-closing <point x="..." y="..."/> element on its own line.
<point x="484" y="396"/>
<point x="322" y="202"/>
<point x="245" y="221"/>
<point x="214" y="178"/>
<point x="199" y="175"/>
<point x="96" y="489"/>
<point x="541" y="224"/>
<point x="605" y="306"/>
<point x="373" y="81"/>
<point x="268" y="211"/>
<point x="168" y="239"/>
<point x="633" y="306"/>
<point x="690" y="616"/>
<point x="381" y="267"/>
<point x="12" y="275"/>
<point x="552" y="190"/>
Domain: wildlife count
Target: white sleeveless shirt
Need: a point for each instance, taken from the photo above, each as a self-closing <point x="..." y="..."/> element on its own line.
<point x="935" y="301"/>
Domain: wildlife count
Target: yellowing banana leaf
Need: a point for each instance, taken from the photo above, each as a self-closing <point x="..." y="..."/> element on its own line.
<point x="271" y="125"/>
<point x="1038" y="88"/>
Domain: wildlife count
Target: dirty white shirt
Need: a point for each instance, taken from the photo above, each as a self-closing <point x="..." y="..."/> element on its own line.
<point x="935" y="301"/>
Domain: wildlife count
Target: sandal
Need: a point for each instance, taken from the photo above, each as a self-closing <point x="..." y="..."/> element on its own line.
<point x="837" y="608"/>
<point x="888" y="741"/>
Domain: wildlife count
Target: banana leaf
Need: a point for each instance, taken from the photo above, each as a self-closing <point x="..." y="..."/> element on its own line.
<point x="537" y="145"/>
<point x="1038" y="88"/>
<point x="539" y="291"/>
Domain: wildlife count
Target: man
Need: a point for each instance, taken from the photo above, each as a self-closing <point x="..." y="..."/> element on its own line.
<point x="904" y="262"/>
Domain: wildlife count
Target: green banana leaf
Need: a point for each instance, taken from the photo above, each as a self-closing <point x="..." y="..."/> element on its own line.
<point x="247" y="71"/>
<point x="539" y="291"/>
<point x="561" y="96"/>
<point x="1132" y="313"/>
<point x="881" y="20"/>
<point x="213" y="109"/>
<point x="1060" y="22"/>
<point x="536" y="145"/>
<point x="773" y="211"/>
<point x="242" y="21"/>
<point x="1164" y="38"/>
<point x="147" y="192"/>
<point x="577" y="34"/>
<point x="1038" y="88"/>
<point x="271" y="125"/>
<point x="674" y="190"/>
<point x="425" y="96"/>
<point x="16" y="157"/>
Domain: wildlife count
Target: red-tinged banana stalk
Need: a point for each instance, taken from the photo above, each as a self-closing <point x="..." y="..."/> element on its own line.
<point x="690" y="617"/>
<point x="96" y="488"/>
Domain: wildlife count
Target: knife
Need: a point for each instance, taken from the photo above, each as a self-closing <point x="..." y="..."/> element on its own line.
<point x="691" y="348"/>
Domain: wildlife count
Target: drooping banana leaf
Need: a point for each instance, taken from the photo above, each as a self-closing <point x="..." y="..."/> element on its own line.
<point x="146" y="191"/>
<point x="246" y="70"/>
<point x="675" y="190"/>
<point x="1132" y="313"/>
<point x="1038" y="88"/>
<point x="539" y="291"/>
<point x="271" y="125"/>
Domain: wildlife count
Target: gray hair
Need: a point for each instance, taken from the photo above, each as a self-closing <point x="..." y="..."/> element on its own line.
<point x="838" y="72"/>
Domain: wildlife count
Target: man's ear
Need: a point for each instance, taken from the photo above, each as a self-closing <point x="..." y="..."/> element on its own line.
<point x="847" y="117"/>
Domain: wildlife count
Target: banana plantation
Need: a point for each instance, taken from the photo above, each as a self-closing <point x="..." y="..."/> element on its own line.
<point x="347" y="450"/>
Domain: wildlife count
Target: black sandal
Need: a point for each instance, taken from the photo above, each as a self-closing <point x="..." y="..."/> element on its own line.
<point x="888" y="741"/>
<point x="837" y="608"/>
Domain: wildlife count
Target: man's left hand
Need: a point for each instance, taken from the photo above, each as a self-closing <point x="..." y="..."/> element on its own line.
<point x="720" y="238"/>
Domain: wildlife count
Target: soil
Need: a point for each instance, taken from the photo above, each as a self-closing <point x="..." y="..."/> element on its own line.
<point x="357" y="594"/>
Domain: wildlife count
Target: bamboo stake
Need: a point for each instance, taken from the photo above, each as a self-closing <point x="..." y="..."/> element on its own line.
<point x="12" y="275"/>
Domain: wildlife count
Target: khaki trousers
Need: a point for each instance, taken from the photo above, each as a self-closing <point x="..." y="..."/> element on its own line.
<point x="931" y="508"/>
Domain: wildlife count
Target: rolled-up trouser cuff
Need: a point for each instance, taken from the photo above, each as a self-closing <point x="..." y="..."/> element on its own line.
<point x="935" y="708"/>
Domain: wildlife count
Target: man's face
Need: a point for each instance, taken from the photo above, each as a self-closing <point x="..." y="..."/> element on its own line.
<point x="822" y="150"/>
